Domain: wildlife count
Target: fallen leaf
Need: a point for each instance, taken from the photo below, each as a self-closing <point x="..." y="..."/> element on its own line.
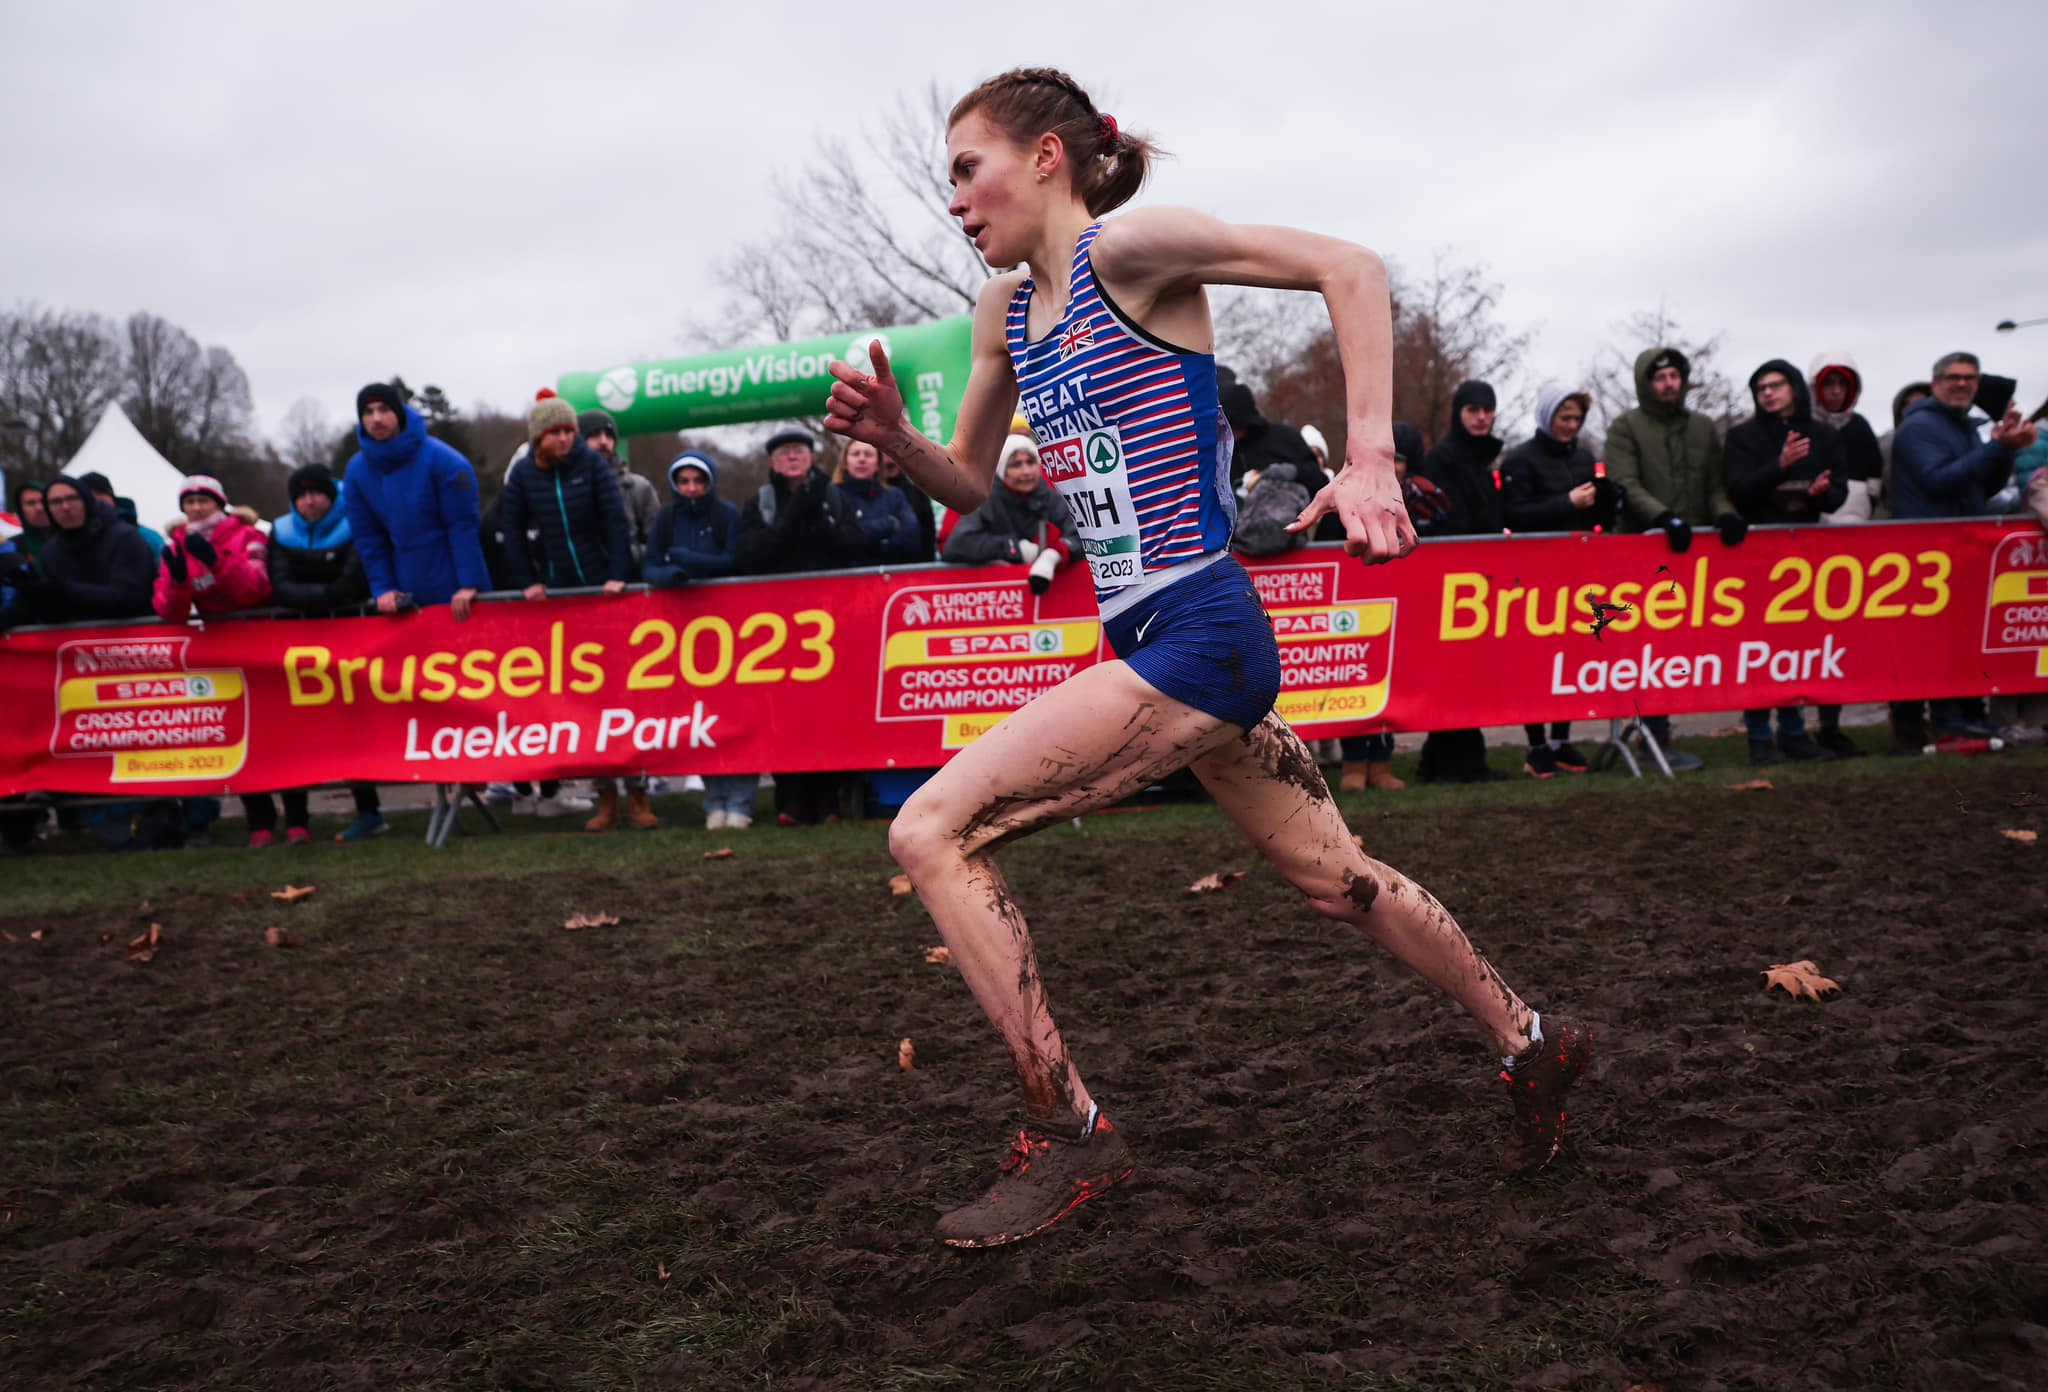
<point x="661" y="1270"/>
<point x="1210" y="884"/>
<point x="1755" y="785"/>
<point x="906" y="1056"/>
<point x="584" y="920"/>
<point x="2020" y="834"/>
<point x="899" y="884"/>
<point x="277" y="937"/>
<point x="291" y="894"/>
<point x="38" y="934"/>
<point x="722" y="853"/>
<point x="940" y="956"/>
<point x="1797" y="979"/>
<point x="144" y="948"/>
<point x="9" y="936"/>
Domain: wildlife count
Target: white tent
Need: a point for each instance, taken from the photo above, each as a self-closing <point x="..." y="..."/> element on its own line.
<point x="116" y="448"/>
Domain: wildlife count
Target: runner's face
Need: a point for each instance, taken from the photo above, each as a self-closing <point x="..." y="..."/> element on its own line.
<point x="862" y="460"/>
<point x="994" y="183"/>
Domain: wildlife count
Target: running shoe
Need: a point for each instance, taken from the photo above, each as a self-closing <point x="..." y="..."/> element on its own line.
<point x="297" y="836"/>
<point x="366" y="825"/>
<point x="1053" y="1168"/>
<point x="1569" y="759"/>
<point x="260" y="839"/>
<point x="1537" y="1082"/>
<point x="1540" y="762"/>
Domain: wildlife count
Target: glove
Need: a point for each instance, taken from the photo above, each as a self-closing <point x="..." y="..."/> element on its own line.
<point x="201" y="550"/>
<point x="1027" y="551"/>
<point x="174" y="562"/>
<point x="1732" y="528"/>
<point x="1677" y="531"/>
<point x="1042" y="569"/>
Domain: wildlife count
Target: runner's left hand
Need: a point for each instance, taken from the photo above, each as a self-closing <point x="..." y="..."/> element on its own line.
<point x="1366" y="497"/>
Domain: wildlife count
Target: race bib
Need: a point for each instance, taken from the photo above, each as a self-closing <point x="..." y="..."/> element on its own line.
<point x="1088" y="472"/>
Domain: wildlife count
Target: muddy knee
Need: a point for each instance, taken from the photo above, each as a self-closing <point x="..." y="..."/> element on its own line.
<point x="919" y="841"/>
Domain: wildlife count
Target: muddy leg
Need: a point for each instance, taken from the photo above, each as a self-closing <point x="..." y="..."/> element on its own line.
<point x="1268" y="782"/>
<point x="1088" y="743"/>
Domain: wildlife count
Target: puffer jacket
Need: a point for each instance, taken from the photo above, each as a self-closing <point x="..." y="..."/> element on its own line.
<point x="581" y="518"/>
<point x="1538" y="476"/>
<point x="885" y="517"/>
<point x="101" y="570"/>
<point x="314" y="568"/>
<point x="237" y="578"/>
<point x="1667" y="459"/>
<point x="412" y="510"/>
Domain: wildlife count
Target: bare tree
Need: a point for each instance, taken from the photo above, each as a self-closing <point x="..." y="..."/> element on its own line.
<point x="192" y="403"/>
<point x="1611" y="376"/>
<point x="863" y="240"/>
<point x="58" y="373"/>
<point x="306" y="435"/>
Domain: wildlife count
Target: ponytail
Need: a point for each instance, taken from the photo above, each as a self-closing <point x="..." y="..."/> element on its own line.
<point x="1108" y="163"/>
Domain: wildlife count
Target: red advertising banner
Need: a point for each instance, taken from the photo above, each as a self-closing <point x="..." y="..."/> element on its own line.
<point x="880" y="670"/>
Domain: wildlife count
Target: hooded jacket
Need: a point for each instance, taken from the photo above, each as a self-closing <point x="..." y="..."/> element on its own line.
<point x="581" y="517"/>
<point x="1863" y="463"/>
<point x="412" y="512"/>
<point x="1762" y="490"/>
<point x="1538" y="475"/>
<point x="238" y="577"/>
<point x="693" y="538"/>
<point x="885" y="517"/>
<point x="1939" y="466"/>
<point x="989" y="534"/>
<point x="314" y="566"/>
<point x="1667" y="459"/>
<point x="1461" y="464"/>
<point x="795" y="526"/>
<point x="101" y="570"/>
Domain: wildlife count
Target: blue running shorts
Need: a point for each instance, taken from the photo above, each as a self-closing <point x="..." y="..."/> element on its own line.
<point x="1205" y="641"/>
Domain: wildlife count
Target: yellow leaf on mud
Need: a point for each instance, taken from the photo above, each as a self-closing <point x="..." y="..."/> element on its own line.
<point x="144" y="948"/>
<point x="575" y="922"/>
<point x="277" y="937"/>
<point x="291" y="894"/>
<point x="940" y="956"/>
<point x="1797" y="979"/>
<point x="1210" y="884"/>
<point x="2020" y="834"/>
<point x="722" y="853"/>
<point x="906" y="1056"/>
<point x="1754" y="785"/>
<point x="661" y="1270"/>
<point x="38" y="934"/>
<point x="899" y="884"/>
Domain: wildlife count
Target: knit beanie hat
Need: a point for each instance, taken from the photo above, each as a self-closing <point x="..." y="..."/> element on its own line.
<point x="590" y="422"/>
<point x="382" y="392"/>
<point x="311" y="478"/>
<point x="548" y="412"/>
<point x="202" y="483"/>
<point x="1019" y="442"/>
<point x="1313" y="438"/>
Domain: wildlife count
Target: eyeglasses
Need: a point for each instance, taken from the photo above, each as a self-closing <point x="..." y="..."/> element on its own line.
<point x="1774" y="384"/>
<point x="68" y="501"/>
<point x="1960" y="379"/>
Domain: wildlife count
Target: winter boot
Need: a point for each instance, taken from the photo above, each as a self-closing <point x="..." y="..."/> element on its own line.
<point x="1380" y="778"/>
<point x="607" y="811"/>
<point x="638" y="813"/>
<point x="1356" y="779"/>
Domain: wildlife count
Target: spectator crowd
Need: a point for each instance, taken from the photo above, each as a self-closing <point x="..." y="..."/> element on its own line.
<point x="403" y="527"/>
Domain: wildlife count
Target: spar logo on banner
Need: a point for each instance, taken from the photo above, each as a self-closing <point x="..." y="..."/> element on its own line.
<point x="134" y="702"/>
<point x="2016" y="607"/>
<point x="968" y="655"/>
<point x="1336" y="656"/>
<point x="617" y="389"/>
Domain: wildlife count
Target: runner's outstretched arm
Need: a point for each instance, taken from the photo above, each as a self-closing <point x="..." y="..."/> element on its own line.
<point x="869" y="407"/>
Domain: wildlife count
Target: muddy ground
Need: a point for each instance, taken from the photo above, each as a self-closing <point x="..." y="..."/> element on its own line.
<point x="445" y="1143"/>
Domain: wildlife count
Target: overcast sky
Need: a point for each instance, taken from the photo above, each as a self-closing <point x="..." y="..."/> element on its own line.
<point x="487" y="195"/>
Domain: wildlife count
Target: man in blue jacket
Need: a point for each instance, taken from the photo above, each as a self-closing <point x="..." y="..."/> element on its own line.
<point x="696" y="537"/>
<point x="1939" y="467"/>
<point x="412" y="509"/>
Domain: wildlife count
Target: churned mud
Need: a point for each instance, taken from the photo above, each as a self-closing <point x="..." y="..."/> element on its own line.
<point x="446" y="1143"/>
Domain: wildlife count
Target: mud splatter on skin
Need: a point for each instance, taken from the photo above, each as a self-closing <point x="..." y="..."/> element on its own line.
<point x="1280" y="752"/>
<point x="1361" y="890"/>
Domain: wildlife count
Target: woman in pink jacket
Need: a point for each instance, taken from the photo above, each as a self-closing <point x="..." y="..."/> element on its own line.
<point x="215" y="561"/>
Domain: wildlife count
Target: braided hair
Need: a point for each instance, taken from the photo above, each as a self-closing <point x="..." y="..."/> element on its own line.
<point x="1109" y="163"/>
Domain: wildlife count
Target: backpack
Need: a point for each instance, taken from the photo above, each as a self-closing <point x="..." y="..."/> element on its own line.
<point x="1275" y="500"/>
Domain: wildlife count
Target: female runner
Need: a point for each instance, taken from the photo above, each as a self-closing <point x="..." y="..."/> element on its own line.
<point x="1105" y="332"/>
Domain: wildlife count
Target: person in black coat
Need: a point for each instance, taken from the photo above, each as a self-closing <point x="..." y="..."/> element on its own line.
<point x="1257" y="444"/>
<point x="1461" y="466"/>
<point x="920" y="508"/>
<point x="94" y="565"/>
<point x="570" y="494"/>
<point x="1550" y="483"/>
<point x="797" y="521"/>
<point x="1786" y="466"/>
